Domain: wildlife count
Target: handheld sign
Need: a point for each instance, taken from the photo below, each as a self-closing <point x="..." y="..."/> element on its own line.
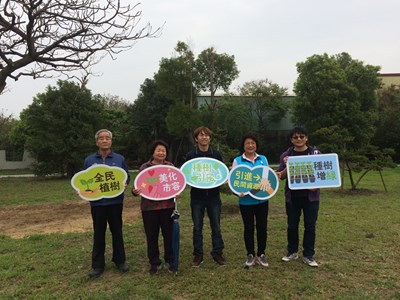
<point x="160" y="182"/>
<point x="259" y="182"/>
<point x="313" y="171"/>
<point x="205" y="172"/>
<point x="99" y="181"/>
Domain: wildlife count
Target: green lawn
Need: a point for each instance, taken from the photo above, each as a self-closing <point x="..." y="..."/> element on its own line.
<point x="357" y="246"/>
<point x="15" y="172"/>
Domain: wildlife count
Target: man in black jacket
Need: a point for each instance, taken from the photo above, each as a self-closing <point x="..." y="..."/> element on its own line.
<point x="304" y="201"/>
<point x="205" y="199"/>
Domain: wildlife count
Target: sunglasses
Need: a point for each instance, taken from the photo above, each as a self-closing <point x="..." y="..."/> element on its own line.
<point x="298" y="137"/>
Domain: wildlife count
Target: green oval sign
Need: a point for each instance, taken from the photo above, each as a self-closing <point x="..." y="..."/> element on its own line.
<point x="99" y="181"/>
<point x="205" y="172"/>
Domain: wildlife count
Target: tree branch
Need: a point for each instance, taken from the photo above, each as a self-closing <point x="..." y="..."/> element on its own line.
<point x="65" y="36"/>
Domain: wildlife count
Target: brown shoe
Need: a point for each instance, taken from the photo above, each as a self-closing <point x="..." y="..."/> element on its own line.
<point x="197" y="261"/>
<point x="219" y="259"/>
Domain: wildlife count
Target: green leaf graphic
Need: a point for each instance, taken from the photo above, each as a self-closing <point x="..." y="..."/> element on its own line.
<point x="152" y="180"/>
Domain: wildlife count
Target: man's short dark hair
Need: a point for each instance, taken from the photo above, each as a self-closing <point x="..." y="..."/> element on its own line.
<point x="201" y="129"/>
<point x="298" y="130"/>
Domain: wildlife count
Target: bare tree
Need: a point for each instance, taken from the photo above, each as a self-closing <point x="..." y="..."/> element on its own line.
<point x="38" y="37"/>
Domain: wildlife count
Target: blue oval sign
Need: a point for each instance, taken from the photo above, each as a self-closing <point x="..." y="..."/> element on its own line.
<point x="205" y="172"/>
<point x="259" y="182"/>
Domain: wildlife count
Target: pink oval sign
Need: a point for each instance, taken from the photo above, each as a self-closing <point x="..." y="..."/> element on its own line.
<point x="160" y="182"/>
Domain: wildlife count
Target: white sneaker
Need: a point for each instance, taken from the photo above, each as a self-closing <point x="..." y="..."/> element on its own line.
<point x="290" y="257"/>
<point x="250" y="261"/>
<point x="310" y="261"/>
<point x="262" y="261"/>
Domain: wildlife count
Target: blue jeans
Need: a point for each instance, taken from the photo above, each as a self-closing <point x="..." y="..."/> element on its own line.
<point x="310" y="211"/>
<point x="213" y="207"/>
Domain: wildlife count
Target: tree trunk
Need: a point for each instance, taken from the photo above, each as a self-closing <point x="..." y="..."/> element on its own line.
<point x="353" y="187"/>
<point x="383" y="182"/>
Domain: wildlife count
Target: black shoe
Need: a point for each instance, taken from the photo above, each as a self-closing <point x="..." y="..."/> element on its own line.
<point x="219" y="259"/>
<point x="154" y="269"/>
<point x="94" y="273"/>
<point x="123" y="267"/>
<point x="197" y="260"/>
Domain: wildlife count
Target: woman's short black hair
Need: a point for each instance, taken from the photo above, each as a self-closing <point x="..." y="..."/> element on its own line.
<point x="248" y="135"/>
<point x="156" y="143"/>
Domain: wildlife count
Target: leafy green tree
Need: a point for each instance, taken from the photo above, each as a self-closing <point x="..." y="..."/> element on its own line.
<point x="60" y="125"/>
<point x="388" y="128"/>
<point x="371" y="159"/>
<point x="150" y="110"/>
<point x="337" y="90"/>
<point x="336" y="102"/>
<point x="264" y="101"/>
<point x="213" y="72"/>
<point x="174" y="78"/>
<point x="7" y="123"/>
<point x="115" y="112"/>
<point x="362" y="160"/>
<point x="180" y="78"/>
<point x="233" y="120"/>
<point x="145" y="119"/>
<point x="5" y="126"/>
<point x="112" y="101"/>
<point x="165" y="106"/>
<point x="181" y="121"/>
<point x="17" y="139"/>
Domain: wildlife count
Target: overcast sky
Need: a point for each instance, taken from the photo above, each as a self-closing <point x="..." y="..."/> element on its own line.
<point x="267" y="38"/>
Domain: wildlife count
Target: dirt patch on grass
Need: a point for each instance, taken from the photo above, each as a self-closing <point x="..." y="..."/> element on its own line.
<point x="69" y="216"/>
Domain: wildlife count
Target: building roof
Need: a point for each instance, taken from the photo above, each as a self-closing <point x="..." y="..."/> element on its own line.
<point x="390" y="78"/>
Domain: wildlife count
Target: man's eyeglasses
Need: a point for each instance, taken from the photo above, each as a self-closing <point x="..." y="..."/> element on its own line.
<point x="298" y="137"/>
